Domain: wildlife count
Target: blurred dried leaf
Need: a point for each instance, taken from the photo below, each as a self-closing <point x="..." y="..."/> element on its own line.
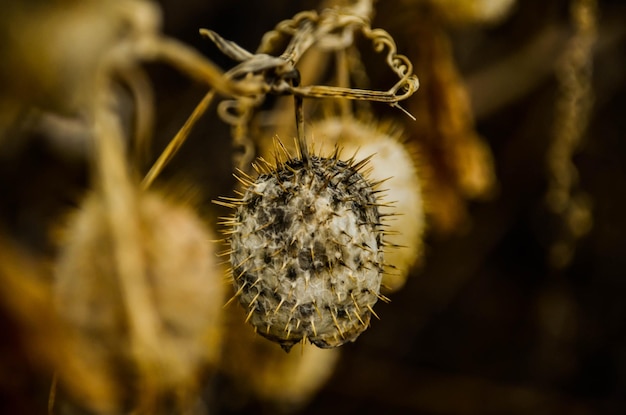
<point x="458" y="165"/>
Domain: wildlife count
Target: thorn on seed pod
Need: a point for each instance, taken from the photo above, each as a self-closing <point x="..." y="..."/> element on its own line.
<point x="307" y="249"/>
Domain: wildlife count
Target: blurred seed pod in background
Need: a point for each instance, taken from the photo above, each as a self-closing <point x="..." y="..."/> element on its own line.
<point x="181" y="279"/>
<point x="394" y="163"/>
<point x="259" y="370"/>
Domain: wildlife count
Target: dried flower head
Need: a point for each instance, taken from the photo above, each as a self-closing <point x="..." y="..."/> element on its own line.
<point x="306" y="247"/>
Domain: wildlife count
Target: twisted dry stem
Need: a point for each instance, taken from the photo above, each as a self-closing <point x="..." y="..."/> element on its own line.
<point x="259" y="74"/>
<point x="332" y="28"/>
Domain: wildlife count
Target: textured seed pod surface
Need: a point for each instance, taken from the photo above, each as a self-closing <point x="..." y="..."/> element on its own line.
<point x="306" y="251"/>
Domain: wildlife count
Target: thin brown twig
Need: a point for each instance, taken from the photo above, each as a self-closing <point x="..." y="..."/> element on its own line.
<point x="178" y="140"/>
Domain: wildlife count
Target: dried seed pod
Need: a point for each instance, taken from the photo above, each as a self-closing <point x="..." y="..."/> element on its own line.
<point x="254" y="367"/>
<point x="395" y="164"/>
<point x="183" y="284"/>
<point x="306" y="249"/>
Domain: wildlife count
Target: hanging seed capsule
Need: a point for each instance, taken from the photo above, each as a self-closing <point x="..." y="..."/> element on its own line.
<point x="306" y="249"/>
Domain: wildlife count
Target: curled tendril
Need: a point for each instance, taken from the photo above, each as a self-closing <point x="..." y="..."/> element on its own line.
<point x="261" y="73"/>
<point x="332" y="29"/>
<point x="291" y="26"/>
<point x="400" y="64"/>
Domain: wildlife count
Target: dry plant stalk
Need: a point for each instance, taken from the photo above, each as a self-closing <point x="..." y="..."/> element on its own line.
<point x="262" y="74"/>
<point x="306" y="30"/>
<point x="573" y="110"/>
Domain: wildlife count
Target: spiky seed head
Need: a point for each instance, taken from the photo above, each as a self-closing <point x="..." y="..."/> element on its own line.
<point x="306" y="250"/>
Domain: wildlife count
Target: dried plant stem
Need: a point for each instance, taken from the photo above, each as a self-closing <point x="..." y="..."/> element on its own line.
<point x="53" y="394"/>
<point x="343" y="79"/>
<point x="302" y="40"/>
<point x="119" y="198"/>
<point x="259" y="74"/>
<point x="326" y="24"/>
<point x="178" y="140"/>
<point x="197" y="66"/>
<point x="574" y="104"/>
<point x="138" y="82"/>
<point x="303" y="149"/>
<point x="573" y="109"/>
<point x="331" y="29"/>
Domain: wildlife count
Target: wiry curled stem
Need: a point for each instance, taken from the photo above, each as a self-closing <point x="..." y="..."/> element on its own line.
<point x="261" y="73"/>
<point x="331" y="29"/>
